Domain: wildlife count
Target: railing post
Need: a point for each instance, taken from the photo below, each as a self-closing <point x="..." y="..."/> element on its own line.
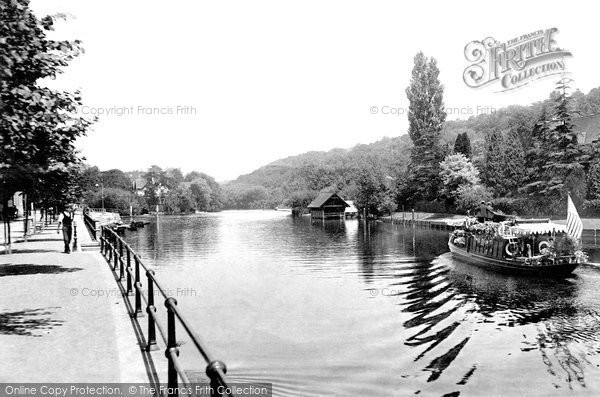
<point x="138" y="286"/>
<point x="122" y="270"/>
<point x="129" y="289"/>
<point x="102" y="241"/>
<point x="110" y="247"/>
<point x="121" y="250"/>
<point x="115" y="259"/>
<point x="150" y="310"/>
<point x="211" y="372"/>
<point x="171" y="344"/>
<point x="75" y="246"/>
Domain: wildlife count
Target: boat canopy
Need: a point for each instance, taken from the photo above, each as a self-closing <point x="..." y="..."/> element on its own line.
<point x="530" y="228"/>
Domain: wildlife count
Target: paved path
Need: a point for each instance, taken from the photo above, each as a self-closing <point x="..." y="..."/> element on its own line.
<point x="62" y="317"/>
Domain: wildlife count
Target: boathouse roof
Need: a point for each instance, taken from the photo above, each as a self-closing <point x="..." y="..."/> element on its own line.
<point x="139" y="183"/>
<point x="324" y="197"/>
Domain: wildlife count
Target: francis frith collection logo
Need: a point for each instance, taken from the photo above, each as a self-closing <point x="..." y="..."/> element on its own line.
<point x="516" y="62"/>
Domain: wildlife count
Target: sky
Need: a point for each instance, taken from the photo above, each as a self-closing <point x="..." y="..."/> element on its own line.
<point x="225" y="87"/>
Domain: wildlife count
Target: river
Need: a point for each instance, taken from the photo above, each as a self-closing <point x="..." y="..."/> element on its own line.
<point x="340" y="308"/>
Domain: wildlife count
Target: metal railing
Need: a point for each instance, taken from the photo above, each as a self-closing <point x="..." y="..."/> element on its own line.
<point x="120" y="255"/>
<point x="91" y="225"/>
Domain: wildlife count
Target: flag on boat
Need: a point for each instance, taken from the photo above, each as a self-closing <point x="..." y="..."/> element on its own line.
<point x="574" y="225"/>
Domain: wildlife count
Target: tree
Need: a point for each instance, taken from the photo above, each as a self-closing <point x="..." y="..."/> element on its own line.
<point x="190" y="176"/>
<point x="514" y="171"/>
<point x="456" y="171"/>
<point x="468" y="196"/>
<point x="301" y="199"/>
<point x="239" y="196"/>
<point x="371" y="186"/>
<point x="179" y="199"/>
<point x="114" y="199"/>
<point x="426" y="116"/>
<point x="560" y="163"/>
<point x="87" y="177"/>
<point x="115" y="178"/>
<point x="38" y="126"/>
<point x="536" y="156"/>
<point x="593" y="180"/>
<point x="463" y="145"/>
<point x="493" y="167"/>
<point x="155" y="185"/>
<point x="172" y="177"/>
<point x="201" y="194"/>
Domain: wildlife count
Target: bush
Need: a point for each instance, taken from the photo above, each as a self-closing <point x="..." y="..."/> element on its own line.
<point x="528" y="206"/>
<point x="114" y="199"/>
<point x="512" y="205"/>
<point x="469" y="196"/>
<point x="430" y="206"/>
<point x="591" y="207"/>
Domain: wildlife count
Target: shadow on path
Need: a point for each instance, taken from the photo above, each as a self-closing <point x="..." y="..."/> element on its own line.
<point x="33" y="239"/>
<point x="25" y="322"/>
<point x="29" y="251"/>
<point x="23" y="269"/>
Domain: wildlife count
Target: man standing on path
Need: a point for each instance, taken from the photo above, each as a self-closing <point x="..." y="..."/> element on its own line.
<point x="66" y="220"/>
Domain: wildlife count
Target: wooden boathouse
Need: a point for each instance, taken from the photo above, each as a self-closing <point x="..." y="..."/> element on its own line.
<point x="328" y="205"/>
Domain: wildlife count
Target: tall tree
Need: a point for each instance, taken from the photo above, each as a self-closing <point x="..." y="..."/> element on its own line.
<point x="462" y="145"/>
<point x="38" y="125"/>
<point x="563" y="159"/>
<point x="425" y="117"/>
<point x="536" y="155"/>
<point x="493" y="165"/>
<point x="514" y="163"/>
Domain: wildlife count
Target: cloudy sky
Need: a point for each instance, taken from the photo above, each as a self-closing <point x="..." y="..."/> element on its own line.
<point x="227" y="86"/>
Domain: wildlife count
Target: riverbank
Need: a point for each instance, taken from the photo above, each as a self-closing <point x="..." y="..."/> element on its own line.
<point x="63" y="317"/>
<point x="589" y="224"/>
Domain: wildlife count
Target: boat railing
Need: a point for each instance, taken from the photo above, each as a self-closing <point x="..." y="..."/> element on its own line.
<point x="506" y="231"/>
<point x="121" y="257"/>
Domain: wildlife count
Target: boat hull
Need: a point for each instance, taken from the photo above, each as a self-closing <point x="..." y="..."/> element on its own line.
<point x="512" y="266"/>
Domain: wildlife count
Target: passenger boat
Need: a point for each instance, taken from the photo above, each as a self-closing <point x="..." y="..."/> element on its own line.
<point x="535" y="247"/>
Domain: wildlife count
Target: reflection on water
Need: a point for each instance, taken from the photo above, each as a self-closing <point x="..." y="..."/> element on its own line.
<point x="346" y="308"/>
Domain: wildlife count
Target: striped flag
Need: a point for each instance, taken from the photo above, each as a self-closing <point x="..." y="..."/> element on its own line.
<point x="574" y="225"/>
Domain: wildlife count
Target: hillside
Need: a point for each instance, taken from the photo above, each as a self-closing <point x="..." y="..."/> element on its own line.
<point x="274" y="183"/>
<point x="271" y="184"/>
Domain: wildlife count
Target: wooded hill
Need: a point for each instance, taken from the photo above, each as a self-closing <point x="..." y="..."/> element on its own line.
<point x="298" y="178"/>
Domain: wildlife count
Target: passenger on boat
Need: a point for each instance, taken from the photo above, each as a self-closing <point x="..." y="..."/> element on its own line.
<point x="482" y="212"/>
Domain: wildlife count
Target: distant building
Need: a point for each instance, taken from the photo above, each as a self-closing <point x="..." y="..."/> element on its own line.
<point x="327" y="206"/>
<point x="139" y="186"/>
<point x="587" y="128"/>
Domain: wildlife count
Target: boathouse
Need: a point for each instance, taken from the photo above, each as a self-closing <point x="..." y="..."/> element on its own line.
<point x="327" y="205"/>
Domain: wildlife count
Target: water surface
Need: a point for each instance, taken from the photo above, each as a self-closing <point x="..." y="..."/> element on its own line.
<point x="341" y="308"/>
